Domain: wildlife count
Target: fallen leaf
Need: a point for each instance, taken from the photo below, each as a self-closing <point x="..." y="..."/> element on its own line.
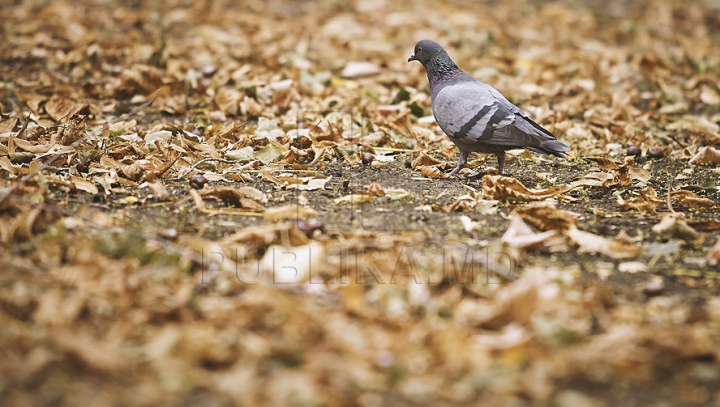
<point x="605" y="164"/>
<point x="546" y="216"/>
<point x="646" y="202"/>
<point x="353" y="199"/>
<point x="244" y="154"/>
<point x="709" y="96"/>
<point x="432" y="172"/>
<point x="706" y="155"/>
<point x="713" y="255"/>
<point x="397" y="193"/>
<point x="159" y="190"/>
<point x="498" y="187"/>
<point x="232" y="196"/>
<point x="470" y="225"/>
<point x="591" y="243"/>
<point x="313" y="184"/>
<point x="59" y="108"/>
<point x="289" y="266"/>
<point x="356" y="69"/>
<point x="423" y="160"/>
<point x="673" y="225"/>
<point x="279" y="213"/>
<point x="692" y="200"/>
<point x="520" y="236"/>
<point x="84" y="185"/>
<point x="271" y="152"/>
<point x="253" y="193"/>
<point x="632" y="267"/>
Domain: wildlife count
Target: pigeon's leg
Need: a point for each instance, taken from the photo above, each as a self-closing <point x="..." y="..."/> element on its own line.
<point x="501" y="161"/>
<point x="462" y="160"/>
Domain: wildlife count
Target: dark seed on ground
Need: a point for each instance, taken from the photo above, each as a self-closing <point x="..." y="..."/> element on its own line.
<point x="634" y="151"/>
<point x="368" y="158"/>
<point x="198" y="181"/>
<point x="655" y="152"/>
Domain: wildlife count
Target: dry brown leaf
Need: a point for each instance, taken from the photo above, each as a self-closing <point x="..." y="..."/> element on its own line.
<point x="28" y="146"/>
<point x="7" y="125"/>
<point x="713" y="255"/>
<point x="375" y="189"/>
<point x="286" y="234"/>
<point x="432" y="172"/>
<point x="591" y="243"/>
<point x="59" y="107"/>
<point x="197" y="200"/>
<point x="279" y="213"/>
<point x="673" y="225"/>
<point x="84" y="185"/>
<point x="101" y="355"/>
<point x="132" y="171"/>
<point x="353" y="199"/>
<point x="227" y="100"/>
<point x="500" y="188"/>
<point x="74" y="131"/>
<point x="232" y="196"/>
<point x="511" y="336"/>
<point x="253" y="193"/>
<point x="312" y="184"/>
<point x="646" y="202"/>
<point x="692" y="200"/>
<point x="11" y="168"/>
<point x="632" y="267"/>
<point x="423" y="160"/>
<point x="605" y="178"/>
<point x="159" y="190"/>
<point x="470" y="225"/>
<point x="356" y="69"/>
<point x="520" y="236"/>
<point x="706" y="155"/>
<point x="603" y="163"/>
<point x="545" y="216"/>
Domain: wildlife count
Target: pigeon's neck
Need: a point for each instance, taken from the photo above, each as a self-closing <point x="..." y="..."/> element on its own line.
<point x="441" y="70"/>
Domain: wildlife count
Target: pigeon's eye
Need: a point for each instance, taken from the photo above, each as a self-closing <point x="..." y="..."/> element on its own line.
<point x="419" y="49"/>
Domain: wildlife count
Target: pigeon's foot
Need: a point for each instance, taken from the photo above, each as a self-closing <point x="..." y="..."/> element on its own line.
<point x="501" y="162"/>
<point x="455" y="171"/>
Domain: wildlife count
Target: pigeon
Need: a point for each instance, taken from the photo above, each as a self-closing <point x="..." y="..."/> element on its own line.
<point x="475" y="116"/>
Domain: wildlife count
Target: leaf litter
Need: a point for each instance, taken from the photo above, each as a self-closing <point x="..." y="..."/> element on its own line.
<point x="302" y="272"/>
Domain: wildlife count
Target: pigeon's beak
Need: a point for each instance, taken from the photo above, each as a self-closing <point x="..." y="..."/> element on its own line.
<point x="412" y="58"/>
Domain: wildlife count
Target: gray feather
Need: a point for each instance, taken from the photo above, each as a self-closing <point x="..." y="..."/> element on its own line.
<point x="477" y="117"/>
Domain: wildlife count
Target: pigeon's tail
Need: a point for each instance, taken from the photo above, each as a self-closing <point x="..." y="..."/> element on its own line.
<point x="553" y="147"/>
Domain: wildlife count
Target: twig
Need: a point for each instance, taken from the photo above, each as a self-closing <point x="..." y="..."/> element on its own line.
<point x="669" y="197"/>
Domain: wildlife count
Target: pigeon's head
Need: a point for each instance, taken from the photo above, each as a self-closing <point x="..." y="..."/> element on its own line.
<point x="425" y="50"/>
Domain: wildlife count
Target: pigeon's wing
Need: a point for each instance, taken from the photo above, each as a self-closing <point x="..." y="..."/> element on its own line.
<point x="472" y="112"/>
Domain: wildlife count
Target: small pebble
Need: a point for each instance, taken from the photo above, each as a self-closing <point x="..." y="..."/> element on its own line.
<point x="408" y="164"/>
<point x="367" y="158"/>
<point x="198" y="181"/>
<point x="655" y="152"/>
<point x="634" y="151"/>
